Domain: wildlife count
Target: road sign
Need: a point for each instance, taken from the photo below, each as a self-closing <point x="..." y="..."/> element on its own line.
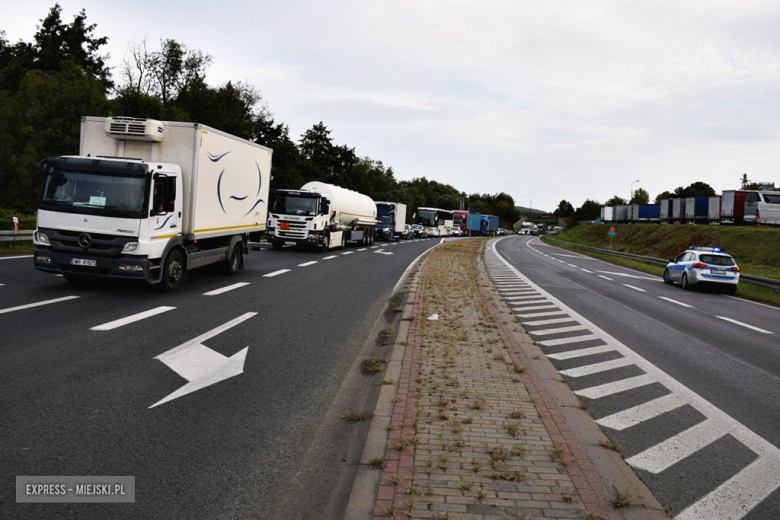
<point x="612" y="229"/>
<point x="611" y="232"/>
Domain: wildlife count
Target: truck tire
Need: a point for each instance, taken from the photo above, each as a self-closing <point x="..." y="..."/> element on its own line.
<point x="666" y="276"/>
<point x="233" y="262"/>
<point x="325" y="243"/>
<point x="343" y="240"/>
<point x="277" y="246"/>
<point x="173" y="272"/>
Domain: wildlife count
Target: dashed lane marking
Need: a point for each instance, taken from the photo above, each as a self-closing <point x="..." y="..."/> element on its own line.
<point x="132" y="319"/>
<point x="606" y="278"/>
<point x="634" y="288"/>
<point x="306" y="264"/>
<point x="276" y="273"/>
<point x="681" y="304"/>
<point x="330" y="257"/>
<point x="751" y="327"/>
<point x="225" y="289"/>
<point x="37" y="304"/>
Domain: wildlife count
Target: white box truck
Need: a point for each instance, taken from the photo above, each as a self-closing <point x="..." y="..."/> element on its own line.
<point x="607" y="214"/>
<point x="392" y="220"/>
<point x="321" y="215"/>
<point x="149" y="200"/>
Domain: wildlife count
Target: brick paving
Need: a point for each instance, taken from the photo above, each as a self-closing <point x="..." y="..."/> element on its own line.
<point x="474" y="436"/>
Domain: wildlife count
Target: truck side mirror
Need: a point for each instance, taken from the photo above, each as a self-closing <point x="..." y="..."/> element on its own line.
<point x="325" y="207"/>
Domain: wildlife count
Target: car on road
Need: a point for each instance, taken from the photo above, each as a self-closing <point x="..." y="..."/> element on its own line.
<point x="407" y="233"/>
<point x="418" y="231"/>
<point x="703" y="266"/>
<point x="456" y="232"/>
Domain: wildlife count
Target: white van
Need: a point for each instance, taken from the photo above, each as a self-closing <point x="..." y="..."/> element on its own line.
<point x="762" y="207"/>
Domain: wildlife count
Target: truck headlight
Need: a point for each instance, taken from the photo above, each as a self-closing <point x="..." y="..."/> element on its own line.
<point x="41" y="238"/>
<point x="130" y="247"/>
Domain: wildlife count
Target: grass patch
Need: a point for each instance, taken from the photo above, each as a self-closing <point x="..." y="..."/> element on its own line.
<point x="386" y="382"/>
<point x="374" y="365"/>
<point x="358" y="416"/>
<point x="620" y="499"/>
<point x="514" y="429"/>
<point x="556" y="455"/>
<point x="517" y="415"/>
<point x="378" y="463"/>
<point x="385" y="336"/>
<point x="16" y="248"/>
<point x="610" y="445"/>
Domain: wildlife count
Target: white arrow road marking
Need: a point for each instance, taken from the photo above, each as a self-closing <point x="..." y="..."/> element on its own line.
<point x="200" y="365"/>
<point x="225" y="289"/>
<point x="37" y="304"/>
<point x="131" y="319"/>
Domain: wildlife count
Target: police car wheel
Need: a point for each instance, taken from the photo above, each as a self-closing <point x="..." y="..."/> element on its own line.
<point x="685" y="284"/>
<point x="666" y="277"/>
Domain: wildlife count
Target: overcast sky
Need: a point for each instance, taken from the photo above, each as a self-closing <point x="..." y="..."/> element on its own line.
<point x="544" y="100"/>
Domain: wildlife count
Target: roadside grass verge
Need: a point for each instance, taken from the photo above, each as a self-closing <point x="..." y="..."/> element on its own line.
<point x="16" y="248"/>
<point x="746" y="290"/>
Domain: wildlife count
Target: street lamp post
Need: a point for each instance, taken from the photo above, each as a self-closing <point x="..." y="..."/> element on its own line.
<point x="632" y="190"/>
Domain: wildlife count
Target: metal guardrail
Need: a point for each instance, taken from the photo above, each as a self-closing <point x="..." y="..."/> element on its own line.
<point x="770" y="283"/>
<point x="16" y="236"/>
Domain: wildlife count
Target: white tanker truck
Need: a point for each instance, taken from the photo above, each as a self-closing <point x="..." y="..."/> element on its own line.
<point x="320" y="215"/>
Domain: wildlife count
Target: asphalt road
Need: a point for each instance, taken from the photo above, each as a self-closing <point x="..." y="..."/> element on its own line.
<point x="267" y="443"/>
<point x="687" y="382"/>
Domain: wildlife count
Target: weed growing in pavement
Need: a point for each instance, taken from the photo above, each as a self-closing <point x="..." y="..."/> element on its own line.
<point x="584" y="404"/>
<point x="386" y="382"/>
<point x="479" y="404"/>
<point x="475" y="465"/>
<point x="374" y="365"/>
<point x="481" y="493"/>
<point x="514" y="476"/>
<point x="390" y="512"/>
<point x="567" y="497"/>
<point x="610" y="445"/>
<point x="398" y="309"/>
<point x="620" y="499"/>
<point x="389" y="427"/>
<point x="396" y="480"/>
<point x="466" y="486"/>
<point x="378" y="463"/>
<point x="413" y="490"/>
<point x="467" y="420"/>
<point x="517" y="450"/>
<point x="517" y="415"/>
<point x="358" y="416"/>
<point x="385" y="336"/>
<point x="514" y="429"/>
<point x="591" y="516"/>
<point x="456" y="427"/>
<point x="402" y="444"/>
<point x="556" y="455"/>
<point x="408" y="318"/>
<point x="517" y="369"/>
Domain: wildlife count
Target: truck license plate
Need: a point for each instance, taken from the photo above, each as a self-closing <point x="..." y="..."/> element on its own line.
<point x="288" y="243"/>
<point x="83" y="261"/>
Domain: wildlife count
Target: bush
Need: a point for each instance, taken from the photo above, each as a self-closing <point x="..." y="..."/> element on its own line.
<point x="26" y="222"/>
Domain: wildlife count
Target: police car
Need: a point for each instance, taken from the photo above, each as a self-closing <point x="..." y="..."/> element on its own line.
<point x="703" y="265"/>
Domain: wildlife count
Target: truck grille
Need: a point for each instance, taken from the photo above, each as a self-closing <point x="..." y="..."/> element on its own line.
<point x="297" y="229"/>
<point x="103" y="245"/>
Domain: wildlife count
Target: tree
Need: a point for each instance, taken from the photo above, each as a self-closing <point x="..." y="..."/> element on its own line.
<point x="640" y="197"/>
<point x="590" y="210"/>
<point x="565" y="209"/>
<point x="663" y="195"/>
<point x="286" y="171"/>
<point x="616" y="201"/>
<point x="42" y="119"/>
<point x="699" y="189"/>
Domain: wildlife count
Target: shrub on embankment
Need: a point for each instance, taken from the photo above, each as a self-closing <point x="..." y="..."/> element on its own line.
<point x="756" y="249"/>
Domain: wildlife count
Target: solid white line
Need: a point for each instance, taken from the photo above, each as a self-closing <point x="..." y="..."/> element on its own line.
<point x="306" y="264"/>
<point x="675" y="301"/>
<point x="566" y="341"/>
<point x="558" y="330"/>
<point x="597" y="392"/>
<point x="549" y="322"/>
<point x="12" y="257"/>
<point x="632" y="287"/>
<point x="582" y="352"/>
<point x="225" y="289"/>
<point x="754" y="303"/>
<point x="539" y="314"/>
<point x="38" y="304"/>
<point x="606" y="278"/>
<point x="276" y="273"/>
<point x="348" y="253"/>
<point x="738" y="495"/>
<point x="643" y="412"/>
<point x="676" y="448"/>
<point x="130" y="319"/>
<point x="596" y="368"/>
<point x="329" y="257"/>
<point x="581" y="269"/>
<point x="751" y="327"/>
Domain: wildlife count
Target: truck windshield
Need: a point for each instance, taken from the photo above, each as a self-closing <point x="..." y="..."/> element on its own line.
<point x="385" y="219"/>
<point x="294" y="205"/>
<point x="426" y="217"/>
<point x="95" y="193"/>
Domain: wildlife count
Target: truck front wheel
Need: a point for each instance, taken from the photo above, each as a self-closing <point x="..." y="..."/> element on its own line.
<point x="173" y="273"/>
<point x="234" y="260"/>
<point x="325" y="243"/>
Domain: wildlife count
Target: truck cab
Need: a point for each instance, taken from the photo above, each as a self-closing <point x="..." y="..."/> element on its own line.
<point x="105" y="216"/>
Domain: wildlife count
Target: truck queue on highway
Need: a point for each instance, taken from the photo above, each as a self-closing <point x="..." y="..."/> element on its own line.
<point x="153" y="200"/>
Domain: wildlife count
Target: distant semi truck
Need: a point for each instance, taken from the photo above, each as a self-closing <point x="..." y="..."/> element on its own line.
<point x="321" y="215"/>
<point x="149" y="200"/>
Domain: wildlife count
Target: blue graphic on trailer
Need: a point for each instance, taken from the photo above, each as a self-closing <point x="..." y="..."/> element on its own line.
<point x="216" y="158"/>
